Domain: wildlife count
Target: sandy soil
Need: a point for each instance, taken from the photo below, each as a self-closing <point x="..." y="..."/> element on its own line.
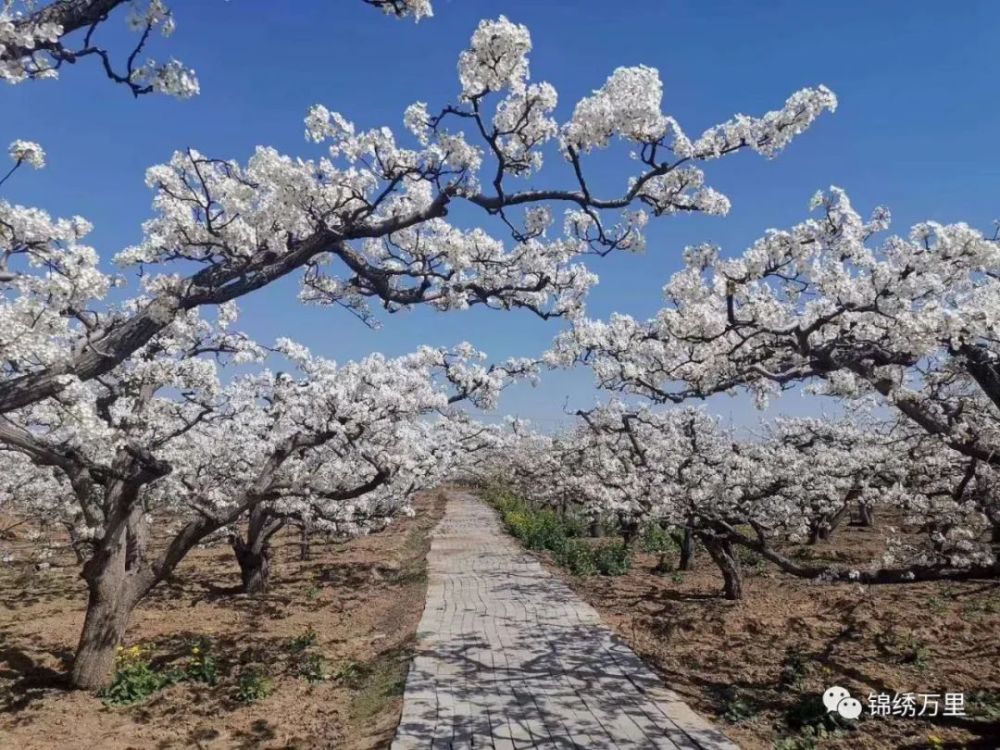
<point x="728" y="657"/>
<point x="363" y="599"/>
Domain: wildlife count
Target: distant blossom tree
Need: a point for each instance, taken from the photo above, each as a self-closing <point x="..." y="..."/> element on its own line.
<point x="910" y="322"/>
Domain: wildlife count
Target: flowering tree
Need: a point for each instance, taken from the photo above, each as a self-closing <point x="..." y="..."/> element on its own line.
<point x="910" y="321"/>
<point x="38" y="38"/>
<point x="913" y="321"/>
<point x="385" y="451"/>
<point x="127" y="450"/>
<point x="793" y="484"/>
<point x="432" y="452"/>
<point x="367" y="221"/>
<point x="123" y="404"/>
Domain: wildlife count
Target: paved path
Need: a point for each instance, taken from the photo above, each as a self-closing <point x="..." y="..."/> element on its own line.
<point x="509" y="657"/>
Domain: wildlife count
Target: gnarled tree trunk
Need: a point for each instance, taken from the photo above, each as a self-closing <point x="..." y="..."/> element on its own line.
<point x="724" y="556"/>
<point x="866" y="514"/>
<point x="109" y="607"/>
<point x="255" y="567"/>
<point x="253" y="554"/>
<point x="304" y="546"/>
<point x="911" y="574"/>
<point x="822" y="528"/>
<point x="629" y="529"/>
<point x="116" y="581"/>
<point x="686" y="560"/>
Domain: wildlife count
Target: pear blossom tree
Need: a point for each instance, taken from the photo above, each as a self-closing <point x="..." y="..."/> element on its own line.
<point x="909" y="322"/>
<point x="912" y="321"/>
<point x="160" y="435"/>
<point x="32" y="502"/>
<point x="680" y="469"/>
<point x="123" y="405"/>
<point x="105" y="443"/>
<point x="860" y="451"/>
<point x="367" y="222"/>
<point x="385" y="449"/>
<point x="433" y="449"/>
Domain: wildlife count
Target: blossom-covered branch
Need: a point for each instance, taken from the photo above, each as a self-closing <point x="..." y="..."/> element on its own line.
<point x="367" y="222"/>
<point x="38" y="38"/>
<point x="911" y="320"/>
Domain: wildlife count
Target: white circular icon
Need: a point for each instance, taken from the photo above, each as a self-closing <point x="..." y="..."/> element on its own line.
<point x="838" y="699"/>
<point x="849" y="708"/>
<point x="833" y="696"/>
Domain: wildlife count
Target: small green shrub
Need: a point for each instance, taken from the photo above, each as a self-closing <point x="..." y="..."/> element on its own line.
<point x="612" y="559"/>
<point x="253" y="685"/>
<point x="915" y="652"/>
<point x="809" y="716"/>
<point x="577" y="557"/>
<point x="135" y="679"/>
<point x="656" y="540"/>
<point x="544" y="529"/>
<point x="202" y="666"/>
<point x="904" y="648"/>
<point x="312" y="667"/>
<point x="793" y="669"/>
<point x="936" y="605"/>
<point x="537" y="529"/>
<point x="350" y="673"/>
<point x="300" y="643"/>
<point x="501" y="500"/>
<point x="985" y="704"/>
<point x="734" y="706"/>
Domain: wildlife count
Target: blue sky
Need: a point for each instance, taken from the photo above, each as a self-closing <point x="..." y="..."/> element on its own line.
<point x="918" y="112"/>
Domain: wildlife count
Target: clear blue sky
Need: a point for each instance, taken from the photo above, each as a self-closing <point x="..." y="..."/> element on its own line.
<point x="918" y="114"/>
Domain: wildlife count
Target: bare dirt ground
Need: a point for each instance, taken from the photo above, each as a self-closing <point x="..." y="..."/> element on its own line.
<point x="362" y="599"/>
<point x="730" y="659"/>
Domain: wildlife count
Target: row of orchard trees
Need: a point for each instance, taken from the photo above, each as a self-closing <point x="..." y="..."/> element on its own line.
<point x="155" y="410"/>
<point x="794" y="483"/>
<point x="903" y="332"/>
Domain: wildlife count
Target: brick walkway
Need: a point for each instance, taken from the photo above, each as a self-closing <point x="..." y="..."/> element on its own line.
<point x="509" y="657"/>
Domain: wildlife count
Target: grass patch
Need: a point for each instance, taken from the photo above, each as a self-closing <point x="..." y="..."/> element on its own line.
<point x="254" y="685"/>
<point x="135" y="679"/>
<point x="376" y="684"/>
<point x="300" y="643"/>
<point x="544" y="529"/>
<point x="734" y="705"/>
<point x="656" y="540"/>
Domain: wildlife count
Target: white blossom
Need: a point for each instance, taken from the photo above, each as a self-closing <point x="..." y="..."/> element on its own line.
<point x="27" y="152"/>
